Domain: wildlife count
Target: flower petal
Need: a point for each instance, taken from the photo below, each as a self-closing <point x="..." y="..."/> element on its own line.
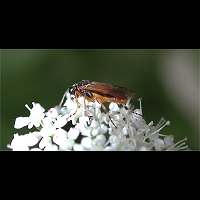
<point x="60" y="137"/>
<point x="19" y="143"/>
<point x="114" y="107"/>
<point x="78" y="147"/>
<point x="68" y="145"/>
<point x="86" y="143"/>
<point x="45" y="142"/>
<point x="73" y="133"/>
<point x="51" y="147"/>
<point x="20" y="122"/>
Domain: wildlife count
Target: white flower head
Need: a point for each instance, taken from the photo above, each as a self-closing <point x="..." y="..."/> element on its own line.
<point x="81" y="125"/>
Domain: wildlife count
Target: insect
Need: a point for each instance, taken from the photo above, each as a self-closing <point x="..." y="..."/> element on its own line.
<point x="100" y="92"/>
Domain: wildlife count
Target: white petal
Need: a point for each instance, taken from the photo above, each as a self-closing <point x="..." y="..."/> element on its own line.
<point x="68" y="145"/>
<point x="60" y="122"/>
<point x="114" y="107"/>
<point x="73" y="133"/>
<point x="125" y="131"/>
<point x="20" y="148"/>
<point x="45" y="142"/>
<point x="30" y="125"/>
<point x="86" y="143"/>
<point x="31" y="139"/>
<point x="97" y="105"/>
<point x="37" y="122"/>
<point x="103" y="129"/>
<point x="100" y="140"/>
<point x="19" y="143"/>
<point x="52" y="113"/>
<point x="143" y="148"/>
<point x="95" y="131"/>
<point x="110" y="148"/>
<point x="159" y="144"/>
<point x="60" y="136"/>
<point x="35" y="149"/>
<point x="47" y="131"/>
<point x="81" y="100"/>
<point x="37" y="114"/>
<point x="114" y="139"/>
<point x="71" y="105"/>
<point x="64" y="111"/>
<point x="37" y="108"/>
<point x="51" y="147"/>
<point x="84" y="131"/>
<point x="47" y="121"/>
<point x="169" y="140"/>
<point x="20" y="122"/>
<point x="84" y="120"/>
<point x="97" y="148"/>
<point x="37" y="134"/>
<point x="94" y="124"/>
<point x="78" y="147"/>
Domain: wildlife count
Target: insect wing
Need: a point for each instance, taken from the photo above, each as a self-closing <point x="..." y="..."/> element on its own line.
<point x="108" y="90"/>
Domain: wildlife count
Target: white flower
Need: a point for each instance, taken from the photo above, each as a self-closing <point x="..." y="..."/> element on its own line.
<point x="60" y="137"/>
<point x="67" y="145"/>
<point x="51" y="147"/>
<point x="36" y="115"/>
<point x="23" y="142"/>
<point x="73" y="133"/>
<point x="98" y="143"/>
<point x="82" y="125"/>
<point x="86" y="142"/>
<point x="60" y="122"/>
<point x="114" y="107"/>
<point x="78" y="147"/>
<point x="35" y="149"/>
<point x="169" y="140"/>
<point x="45" y="141"/>
<point x="52" y="113"/>
<point x="20" y="122"/>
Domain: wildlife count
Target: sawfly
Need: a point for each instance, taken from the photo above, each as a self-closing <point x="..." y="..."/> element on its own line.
<point x="100" y="92"/>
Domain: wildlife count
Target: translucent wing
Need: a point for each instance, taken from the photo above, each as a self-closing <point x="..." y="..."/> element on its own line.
<point x="109" y="90"/>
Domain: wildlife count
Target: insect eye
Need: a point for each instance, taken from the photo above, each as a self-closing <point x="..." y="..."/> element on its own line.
<point x="84" y="82"/>
<point x="89" y="94"/>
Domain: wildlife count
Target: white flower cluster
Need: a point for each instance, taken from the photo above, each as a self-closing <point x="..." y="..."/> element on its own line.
<point x="80" y="125"/>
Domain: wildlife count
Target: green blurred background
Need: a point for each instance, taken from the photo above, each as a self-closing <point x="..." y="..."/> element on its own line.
<point x="167" y="81"/>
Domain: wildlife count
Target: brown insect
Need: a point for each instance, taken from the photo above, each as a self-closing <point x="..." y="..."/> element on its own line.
<point x="101" y="92"/>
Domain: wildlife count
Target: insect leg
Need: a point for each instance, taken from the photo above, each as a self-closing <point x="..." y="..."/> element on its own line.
<point x="106" y="111"/>
<point x="86" y="111"/>
<point x="62" y="100"/>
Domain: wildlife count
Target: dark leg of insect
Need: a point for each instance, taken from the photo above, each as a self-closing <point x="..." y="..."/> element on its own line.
<point x="85" y="107"/>
<point x="112" y="122"/>
<point x="61" y="102"/>
<point x="77" y="103"/>
<point x="106" y="110"/>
